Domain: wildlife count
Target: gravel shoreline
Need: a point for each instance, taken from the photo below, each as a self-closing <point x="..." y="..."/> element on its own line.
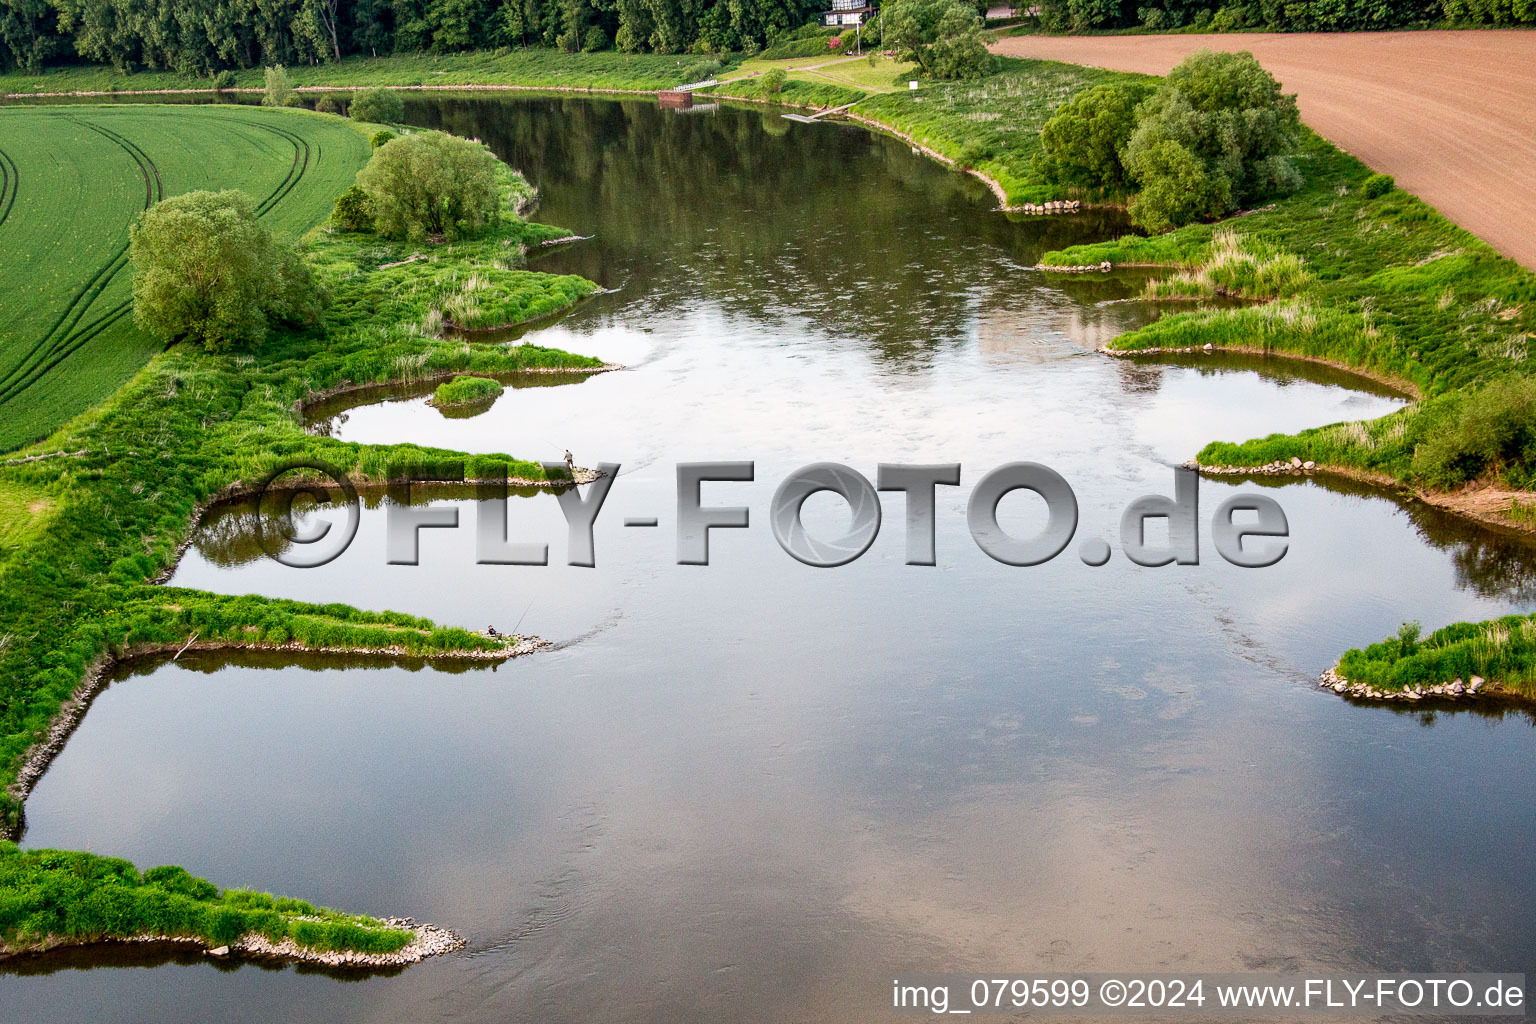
<point x="1456" y="689"/>
<point x="428" y="940"/>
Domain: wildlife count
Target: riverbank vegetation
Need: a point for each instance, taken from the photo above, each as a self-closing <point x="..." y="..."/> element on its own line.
<point x="96" y="514"/>
<point x="1352" y="271"/>
<point x="1503" y="650"/>
<point x="942" y="37"/>
<point x="50" y="898"/>
<point x="992" y="124"/>
<point x="206" y="272"/>
<point x="376" y="106"/>
<point x="1384" y="285"/>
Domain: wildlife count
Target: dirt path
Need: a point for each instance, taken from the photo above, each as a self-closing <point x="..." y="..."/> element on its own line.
<point x="1452" y="115"/>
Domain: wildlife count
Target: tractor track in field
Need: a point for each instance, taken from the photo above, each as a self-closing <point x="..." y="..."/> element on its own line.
<point x="10" y="181"/>
<point x="52" y="349"/>
<point x="295" y="171"/>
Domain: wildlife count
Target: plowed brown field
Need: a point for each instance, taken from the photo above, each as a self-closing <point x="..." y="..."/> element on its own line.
<point x="1452" y="115"/>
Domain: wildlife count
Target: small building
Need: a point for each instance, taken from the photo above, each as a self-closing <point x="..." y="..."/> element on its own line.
<point x="847" y="13"/>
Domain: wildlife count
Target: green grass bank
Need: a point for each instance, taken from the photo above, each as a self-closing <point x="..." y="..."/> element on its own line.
<point x="53" y="898"/>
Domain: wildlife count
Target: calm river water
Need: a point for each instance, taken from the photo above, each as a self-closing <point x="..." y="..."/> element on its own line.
<point x="753" y="791"/>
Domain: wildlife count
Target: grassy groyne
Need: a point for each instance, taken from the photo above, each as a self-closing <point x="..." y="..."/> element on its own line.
<point x="56" y="898"/>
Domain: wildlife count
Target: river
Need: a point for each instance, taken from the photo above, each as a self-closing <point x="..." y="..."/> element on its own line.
<point x="758" y="790"/>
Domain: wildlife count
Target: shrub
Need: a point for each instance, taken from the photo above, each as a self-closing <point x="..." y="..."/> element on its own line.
<point x="223" y="80"/>
<point x="972" y="153"/>
<point x="944" y="37"/>
<point x="279" y="90"/>
<point x="1224" y="111"/>
<point x="1230" y="19"/>
<point x="1176" y="188"/>
<point x="627" y="40"/>
<point x="700" y="71"/>
<point x="1489" y="431"/>
<point x="430" y="184"/>
<point x="466" y="390"/>
<point x="594" y="39"/>
<point x="1377" y="185"/>
<point x="1082" y="142"/>
<point x="796" y="44"/>
<point x="380" y="137"/>
<point x="773" y="81"/>
<point x="353" y="210"/>
<point x="568" y="42"/>
<point x="377" y="106"/>
<point x="327" y="105"/>
<point x="206" y="271"/>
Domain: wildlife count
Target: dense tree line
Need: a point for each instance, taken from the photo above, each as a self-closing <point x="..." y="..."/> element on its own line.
<point x="196" y="37"/>
<point x="1280" y="15"/>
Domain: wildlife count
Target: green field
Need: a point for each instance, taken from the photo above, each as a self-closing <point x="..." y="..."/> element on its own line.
<point x="548" y="69"/>
<point x="75" y="178"/>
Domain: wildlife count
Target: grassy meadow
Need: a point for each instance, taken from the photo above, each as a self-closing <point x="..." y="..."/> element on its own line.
<point x="79" y="176"/>
<point x="533" y="68"/>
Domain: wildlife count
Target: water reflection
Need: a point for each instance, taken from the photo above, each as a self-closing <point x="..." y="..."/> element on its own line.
<point x="327" y="416"/>
<point x="1489" y="562"/>
<point x="826" y="225"/>
<point x="167" y="954"/>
